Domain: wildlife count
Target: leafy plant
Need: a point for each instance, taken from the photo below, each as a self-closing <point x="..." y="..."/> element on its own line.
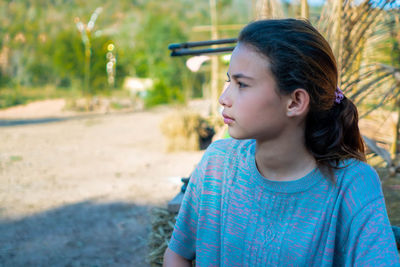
<point x="163" y="94"/>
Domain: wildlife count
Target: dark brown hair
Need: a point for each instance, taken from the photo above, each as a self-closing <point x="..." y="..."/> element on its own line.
<point x="300" y="57"/>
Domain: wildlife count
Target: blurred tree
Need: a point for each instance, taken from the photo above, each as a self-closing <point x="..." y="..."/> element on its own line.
<point x="68" y="56"/>
<point x="162" y="26"/>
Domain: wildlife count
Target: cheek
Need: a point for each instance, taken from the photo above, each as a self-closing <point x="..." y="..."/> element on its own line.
<point x="257" y="106"/>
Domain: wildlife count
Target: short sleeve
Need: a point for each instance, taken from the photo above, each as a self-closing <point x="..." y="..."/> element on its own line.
<point x="183" y="239"/>
<point x="371" y="240"/>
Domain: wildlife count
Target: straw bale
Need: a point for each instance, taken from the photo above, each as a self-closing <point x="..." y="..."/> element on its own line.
<point x="182" y="131"/>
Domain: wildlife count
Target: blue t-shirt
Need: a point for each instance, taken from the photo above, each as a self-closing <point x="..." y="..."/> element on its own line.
<point x="232" y="216"/>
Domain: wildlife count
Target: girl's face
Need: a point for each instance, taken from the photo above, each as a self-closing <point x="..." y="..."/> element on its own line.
<point x="253" y="108"/>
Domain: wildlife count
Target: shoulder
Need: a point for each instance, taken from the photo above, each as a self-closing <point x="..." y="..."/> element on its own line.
<point x="226" y="154"/>
<point x="364" y="228"/>
<point x="358" y="184"/>
<point x="355" y="173"/>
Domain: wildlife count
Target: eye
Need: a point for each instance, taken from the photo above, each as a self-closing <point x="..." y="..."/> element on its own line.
<point x="241" y="85"/>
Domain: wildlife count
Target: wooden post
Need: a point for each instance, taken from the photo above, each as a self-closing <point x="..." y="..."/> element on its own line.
<point x="305" y="13"/>
<point x="214" y="61"/>
<point x="268" y="9"/>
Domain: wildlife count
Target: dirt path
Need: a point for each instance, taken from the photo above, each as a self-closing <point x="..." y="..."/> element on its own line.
<point x="78" y="192"/>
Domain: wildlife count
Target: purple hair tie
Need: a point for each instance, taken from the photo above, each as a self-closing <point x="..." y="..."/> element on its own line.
<point x="339" y="95"/>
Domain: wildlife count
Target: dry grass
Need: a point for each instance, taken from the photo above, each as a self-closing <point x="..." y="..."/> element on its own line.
<point x="162" y="225"/>
<point x="183" y="131"/>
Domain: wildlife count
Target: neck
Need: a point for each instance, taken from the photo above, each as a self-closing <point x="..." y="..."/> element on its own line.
<point x="286" y="159"/>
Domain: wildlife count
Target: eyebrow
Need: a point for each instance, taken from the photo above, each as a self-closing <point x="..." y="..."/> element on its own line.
<point x="240" y="75"/>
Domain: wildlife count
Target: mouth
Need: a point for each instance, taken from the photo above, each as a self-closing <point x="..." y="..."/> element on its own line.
<point x="227" y="119"/>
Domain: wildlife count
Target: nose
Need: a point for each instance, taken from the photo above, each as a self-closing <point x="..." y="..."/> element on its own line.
<point x="224" y="99"/>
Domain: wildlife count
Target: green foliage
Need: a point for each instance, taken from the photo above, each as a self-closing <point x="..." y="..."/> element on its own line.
<point x="68" y="59"/>
<point x="68" y="54"/>
<point x="39" y="73"/>
<point x="46" y="48"/>
<point x="12" y="98"/>
<point x="152" y="59"/>
<point x="163" y="94"/>
<point x="15" y="158"/>
<point x="23" y="95"/>
<point x="98" y="72"/>
<point x="156" y="33"/>
<point x="4" y="79"/>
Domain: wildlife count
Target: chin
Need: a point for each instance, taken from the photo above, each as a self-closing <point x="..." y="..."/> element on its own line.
<point x="237" y="136"/>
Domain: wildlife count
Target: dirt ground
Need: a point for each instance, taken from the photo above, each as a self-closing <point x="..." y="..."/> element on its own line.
<point x="78" y="192"/>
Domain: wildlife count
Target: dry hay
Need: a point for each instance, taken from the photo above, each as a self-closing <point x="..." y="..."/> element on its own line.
<point x="185" y="130"/>
<point x="162" y="225"/>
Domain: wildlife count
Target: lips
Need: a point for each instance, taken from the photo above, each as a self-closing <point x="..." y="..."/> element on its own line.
<point x="227" y="119"/>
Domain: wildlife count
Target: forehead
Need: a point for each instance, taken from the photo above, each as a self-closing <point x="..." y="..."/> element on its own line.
<point x="246" y="60"/>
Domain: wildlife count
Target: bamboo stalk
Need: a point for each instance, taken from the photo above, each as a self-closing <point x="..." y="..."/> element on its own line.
<point x="305" y="13"/>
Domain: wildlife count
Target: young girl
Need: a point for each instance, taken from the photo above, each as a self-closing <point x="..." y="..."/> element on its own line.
<point x="292" y="188"/>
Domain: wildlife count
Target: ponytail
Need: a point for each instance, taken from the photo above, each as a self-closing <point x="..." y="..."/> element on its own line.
<point x="333" y="135"/>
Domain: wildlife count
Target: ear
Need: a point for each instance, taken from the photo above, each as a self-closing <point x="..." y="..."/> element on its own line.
<point x="298" y="103"/>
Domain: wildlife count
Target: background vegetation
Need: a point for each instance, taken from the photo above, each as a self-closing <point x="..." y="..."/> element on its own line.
<point x="42" y="53"/>
<point x="41" y="47"/>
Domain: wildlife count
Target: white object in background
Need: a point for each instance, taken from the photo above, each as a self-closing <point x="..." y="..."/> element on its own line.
<point x="194" y="63"/>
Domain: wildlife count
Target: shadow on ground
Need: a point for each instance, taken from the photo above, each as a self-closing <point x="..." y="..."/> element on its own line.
<point x="83" y="234"/>
<point x="18" y="122"/>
